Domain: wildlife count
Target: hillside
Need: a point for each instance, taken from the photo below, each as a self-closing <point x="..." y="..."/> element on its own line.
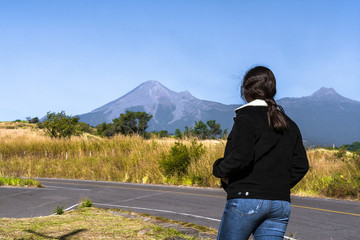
<point x="325" y="117"/>
<point x="170" y="110"/>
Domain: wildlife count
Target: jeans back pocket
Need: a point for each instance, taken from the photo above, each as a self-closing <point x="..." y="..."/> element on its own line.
<point x="246" y="207"/>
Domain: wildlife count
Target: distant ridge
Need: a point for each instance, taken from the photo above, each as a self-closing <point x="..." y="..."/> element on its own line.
<point x="170" y="110"/>
<point x="324" y="118"/>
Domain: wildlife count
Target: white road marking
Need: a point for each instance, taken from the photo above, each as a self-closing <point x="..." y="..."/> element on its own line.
<point x="158" y="210"/>
<point x="70" y="188"/>
<point x="289" y="238"/>
<point x="69" y="208"/>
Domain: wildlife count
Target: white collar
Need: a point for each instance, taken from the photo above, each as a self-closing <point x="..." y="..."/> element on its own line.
<point x="256" y="102"/>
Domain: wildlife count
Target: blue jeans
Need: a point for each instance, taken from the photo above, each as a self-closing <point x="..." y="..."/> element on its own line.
<point x="265" y="219"/>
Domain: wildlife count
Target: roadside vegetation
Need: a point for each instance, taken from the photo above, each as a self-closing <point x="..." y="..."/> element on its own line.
<point x="333" y="173"/>
<point x="91" y="223"/>
<point x="27" y="151"/>
<point x="18" y="182"/>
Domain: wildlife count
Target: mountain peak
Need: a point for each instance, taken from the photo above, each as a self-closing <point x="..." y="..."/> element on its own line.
<point x="328" y="94"/>
<point x="152" y="89"/>
<point x="151" y="83"/>
<point x="325" y="92"/>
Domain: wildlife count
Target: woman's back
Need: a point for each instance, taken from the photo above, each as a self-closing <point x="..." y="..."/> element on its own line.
<point x="264" y="158"/>
<point x="268" y="172"/>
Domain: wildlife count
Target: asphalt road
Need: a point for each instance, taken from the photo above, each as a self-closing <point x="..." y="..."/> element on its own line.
<point x="311" y="218"/>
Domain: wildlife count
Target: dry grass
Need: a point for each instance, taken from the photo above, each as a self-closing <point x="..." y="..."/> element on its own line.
<point x="29" y="153"/>
<point x="85" y="223"/>
<point x="331" y="175"/>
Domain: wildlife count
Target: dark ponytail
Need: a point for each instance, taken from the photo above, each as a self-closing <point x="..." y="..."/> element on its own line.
<point x="260" y="83"/>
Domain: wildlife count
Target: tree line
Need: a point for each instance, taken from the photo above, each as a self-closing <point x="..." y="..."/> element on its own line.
<point x="60" y="125"/>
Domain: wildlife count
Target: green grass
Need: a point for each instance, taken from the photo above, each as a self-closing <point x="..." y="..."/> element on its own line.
<point x="86" y="203"/>
<point x="18" y="182"/>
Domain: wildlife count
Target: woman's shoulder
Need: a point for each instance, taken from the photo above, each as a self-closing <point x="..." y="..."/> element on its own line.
<point x="252" y="115"/>
<point x="249" y="110"/>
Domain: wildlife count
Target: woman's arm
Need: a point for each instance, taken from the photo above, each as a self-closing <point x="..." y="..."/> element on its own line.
<point x="239" y="150"/>
<point x="300" y="163"/>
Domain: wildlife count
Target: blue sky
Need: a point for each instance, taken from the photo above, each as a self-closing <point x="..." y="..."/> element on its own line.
<point x="77" y="55"/>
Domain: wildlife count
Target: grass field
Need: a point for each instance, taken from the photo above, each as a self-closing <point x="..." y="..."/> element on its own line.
<point x="94" y="223"/>
<point x="26" y="152"/>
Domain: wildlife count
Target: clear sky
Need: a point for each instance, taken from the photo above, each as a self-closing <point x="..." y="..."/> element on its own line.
<point x="77" y="55"/>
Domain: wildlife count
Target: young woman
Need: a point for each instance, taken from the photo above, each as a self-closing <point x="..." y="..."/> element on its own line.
<point x="264" y="158"/>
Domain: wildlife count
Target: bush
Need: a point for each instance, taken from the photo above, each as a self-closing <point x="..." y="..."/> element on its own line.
<point x="86" y="203"/>
<point x="33" y="120"/>
<point x="59" y="125"/>
<point x="58" y="210"/>
<point x="340" y="153"/>
<point x="340" y="186"/>
<point x="177" y="161"/>
<point x="179" y="158"/>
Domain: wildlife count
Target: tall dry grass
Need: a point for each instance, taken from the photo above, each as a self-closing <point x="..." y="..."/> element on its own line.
<point x="30" y="153"/>
<point x="331" y="175"/>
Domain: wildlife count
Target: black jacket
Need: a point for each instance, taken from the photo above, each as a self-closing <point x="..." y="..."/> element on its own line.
<point x="258" y="162"/>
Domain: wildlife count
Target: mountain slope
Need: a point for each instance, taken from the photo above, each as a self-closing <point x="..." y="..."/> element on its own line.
<point x="170" y="110"/>
<point x="324" y="118"/>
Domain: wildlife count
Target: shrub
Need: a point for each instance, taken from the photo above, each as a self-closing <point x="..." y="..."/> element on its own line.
<point x="340" y="186"/>
<point x="58" y="210"/>
<point x="178" y="134"/>
<point x="340" y="153"/>
<point x="177" y="161"/>
<point x="179" y="158"/>
<point x="86" y="203"/>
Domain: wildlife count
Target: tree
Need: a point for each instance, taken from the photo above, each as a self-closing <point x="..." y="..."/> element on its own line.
<point x="161" y="134"/>
<point x="59" y="125"/>
<point x="187" y="131"/>
<point x="200" y="130"/>
<point x="142" y="122"/>
<point x="178" y="133"/>
<point x="105" y="129"/>
<point x="128" y="123"/>
<point x="214" y="128"/>
<point x="32" y="120"/>
<point x="355" y="146"/>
